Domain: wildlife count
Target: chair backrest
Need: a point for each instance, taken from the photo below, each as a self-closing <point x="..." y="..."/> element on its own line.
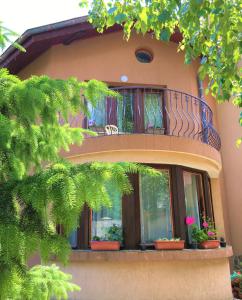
<point x="111" y="129"/>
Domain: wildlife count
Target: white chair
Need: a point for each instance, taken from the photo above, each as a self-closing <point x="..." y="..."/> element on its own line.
<point x="111" y="129"/>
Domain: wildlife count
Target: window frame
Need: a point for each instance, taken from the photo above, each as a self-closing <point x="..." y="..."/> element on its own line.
<point x="131" y="218"/>
<point x="138" y="95"/>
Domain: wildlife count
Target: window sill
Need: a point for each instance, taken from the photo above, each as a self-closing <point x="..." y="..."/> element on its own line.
<point x="150" y="255"/>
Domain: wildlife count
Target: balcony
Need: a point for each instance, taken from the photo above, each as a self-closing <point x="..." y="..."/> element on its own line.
<point x="144" y="110"/>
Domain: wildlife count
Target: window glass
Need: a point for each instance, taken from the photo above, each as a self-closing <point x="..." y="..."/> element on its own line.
<point x="73" y="239"/>
<point x="97" y="114"/>
<point x="193" y="197"/>
<point x="125" y="113"/>
<point x="155" y="205"/>
<point x="153" y="111"/>
<point x="106" y="217"/>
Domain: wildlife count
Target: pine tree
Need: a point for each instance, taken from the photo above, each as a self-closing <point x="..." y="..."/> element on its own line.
<point x="34" y="199"/>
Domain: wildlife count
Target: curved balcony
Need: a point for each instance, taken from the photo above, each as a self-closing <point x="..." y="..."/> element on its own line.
<point x="145" y="110"/>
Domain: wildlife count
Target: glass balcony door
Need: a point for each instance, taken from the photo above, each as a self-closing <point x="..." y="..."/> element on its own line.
<point x="155" y="207"/>
<point x="103" y="219"/>
<point x="153" y="112"/>
<point x="125" y="112"/>
<point x="139" y="110"/>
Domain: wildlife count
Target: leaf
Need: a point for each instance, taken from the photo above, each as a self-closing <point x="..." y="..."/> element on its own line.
<point x="112" y="10"/>
<point x="120" y="18"/>
<point x="238" y="142"/>
<point x="203" y="60"/>
<point x="165" y="34"/>
<point x="164" y="16"/>
<point x="83" y="4"/>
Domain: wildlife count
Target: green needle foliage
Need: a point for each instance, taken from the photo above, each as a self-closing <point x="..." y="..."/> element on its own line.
<point x="34" y="199"/>
<point x="30" y="110"/>
<point x="211" y="30"/>
<point x="44" y="283"/>
<point x="31" y="209"/>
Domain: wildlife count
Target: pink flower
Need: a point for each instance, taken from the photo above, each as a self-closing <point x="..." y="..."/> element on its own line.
<point x="190" y="220"/>
<point x="210" y="233"/>
<point x="205" y="224"/>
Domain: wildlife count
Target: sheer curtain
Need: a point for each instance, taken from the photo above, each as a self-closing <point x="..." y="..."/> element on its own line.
<point x="125" y="113"/>
<point x="155" y="205"/>
<point x="106" y="217"/>
<point x="191" y="181"/>
<point x="153" y="111"/>
<point x="97" y="114"/>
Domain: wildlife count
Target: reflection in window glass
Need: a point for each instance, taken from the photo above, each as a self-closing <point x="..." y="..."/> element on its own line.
<point x="153" y="111"/>
<point x="97" y="114"/>
<point x="73" y="239"/>
<point x="191" y="187"/>
<point x="106" y="217"/>
<point x="155" y="205"/>
<point x="125" y="113"/>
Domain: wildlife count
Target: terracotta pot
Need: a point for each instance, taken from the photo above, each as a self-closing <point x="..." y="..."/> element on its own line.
<point x="155" y="130"/>
<point x="105" y="245"/>
<point x="210" y="244"/>
<point x="169" y="245"/>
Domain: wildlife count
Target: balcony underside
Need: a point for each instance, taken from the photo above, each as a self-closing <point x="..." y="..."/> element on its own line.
<point x="146" y="148"/>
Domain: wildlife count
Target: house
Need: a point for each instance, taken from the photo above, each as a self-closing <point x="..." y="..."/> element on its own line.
<point x="166" y="121"/>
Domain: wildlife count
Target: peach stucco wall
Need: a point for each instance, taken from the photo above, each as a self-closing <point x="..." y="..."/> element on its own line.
<point x="171" y="280"/>
<point x="230" y="130"/>
<point x="109" y="56"/>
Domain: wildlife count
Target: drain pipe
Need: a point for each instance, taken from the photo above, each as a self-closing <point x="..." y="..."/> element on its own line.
<point x="200" y="88"/>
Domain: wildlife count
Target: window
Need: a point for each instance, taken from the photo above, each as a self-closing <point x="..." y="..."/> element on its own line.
<point x="155" y="206"/>
<point x="140" y="110"/>
<point x="106" y="217"/>
<point x="125" y="112"/>
<point x="144" y="56"/>
<point x="97" y="114"/>
<point x="153" y="115"/>
<point x="193" y="197"/>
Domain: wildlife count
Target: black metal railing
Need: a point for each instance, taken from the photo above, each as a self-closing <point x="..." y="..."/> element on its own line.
<point x="153" y="111"/>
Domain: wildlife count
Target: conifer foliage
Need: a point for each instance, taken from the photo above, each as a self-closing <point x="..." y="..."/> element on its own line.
<point x="33" y="199"/>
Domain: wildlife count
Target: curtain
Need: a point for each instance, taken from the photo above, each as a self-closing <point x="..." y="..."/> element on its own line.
<point x="106" y="217"/>
<point x="153" y="111"/>
<point x="155" y="205"/>
<point x="97" y="114"/>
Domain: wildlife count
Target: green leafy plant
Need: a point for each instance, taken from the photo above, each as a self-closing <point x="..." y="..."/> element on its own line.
<point x="207" y="232"/>
<point x="210" y="31"/>
<point x="115" y="233"/>
<point x="236" y="277"/>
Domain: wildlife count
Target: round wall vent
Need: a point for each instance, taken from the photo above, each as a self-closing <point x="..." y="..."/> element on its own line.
<point x="144" y="56"/>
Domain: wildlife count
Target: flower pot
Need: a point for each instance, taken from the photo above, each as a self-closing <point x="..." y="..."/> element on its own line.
<point x="96" y="128"/>
<point x="155" y="130"/>
<point x="210" y="244"/>
<point x="169" y="245"/>
<point x="105" y="245"/>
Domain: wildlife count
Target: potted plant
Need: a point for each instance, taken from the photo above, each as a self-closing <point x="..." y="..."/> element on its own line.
<point x="205" y="236"/>
<point x="95" y="127"/>
<point x="111" y="241"/>
<point x="169" y="244"/>
<point x="155" y="129"/>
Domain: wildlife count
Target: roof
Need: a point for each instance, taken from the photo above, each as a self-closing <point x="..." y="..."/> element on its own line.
<point x="39" y="39"/>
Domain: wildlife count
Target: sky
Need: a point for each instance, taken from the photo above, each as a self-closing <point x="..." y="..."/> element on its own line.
<point x="20" y="15"/>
